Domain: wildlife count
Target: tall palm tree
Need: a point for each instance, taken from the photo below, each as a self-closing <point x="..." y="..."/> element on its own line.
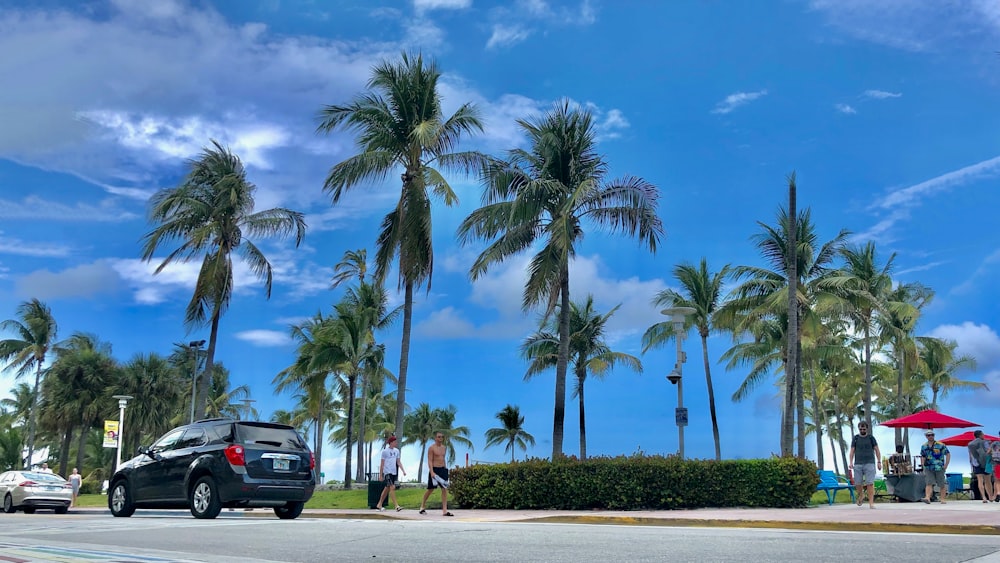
<point x="702" y="290"/>
<point x="211" y="214"/>
<point x="511" y="431"/>
<point x="400" y="125"/>
<point x="939" y="364"/>
<point x="158" y="389"/>
<point x="544" y="195"/>
<point x="354" y="265"/>
<point x="36" y="331"/>
<point x="865" y="287"/>
<point x="761" y="296"/>
<point x="420" y="426"/>
<point x="454" y="434"/>
<point x="224" y="400"/>
<point x="589" y="353"/>
<point x="19" y="404"/>
<point x="898" y="326"/>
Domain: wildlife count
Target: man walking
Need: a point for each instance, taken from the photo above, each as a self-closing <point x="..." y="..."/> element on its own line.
<point x="936" y="459"/>
<point x="865" y="455"/>
<point x="390" y="467"/>
<point x="979" y="459"/>
<point x="437" y="477"/>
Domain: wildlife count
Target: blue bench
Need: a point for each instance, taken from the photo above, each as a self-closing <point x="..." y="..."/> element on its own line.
<point x="830" y="483"/>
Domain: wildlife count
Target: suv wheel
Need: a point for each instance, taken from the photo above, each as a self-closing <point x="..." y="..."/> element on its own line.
<point x="204" y="499"/>
<point x="8" y="505"/>
<point x="120" y="500"/>
<point x="290" y="511"/>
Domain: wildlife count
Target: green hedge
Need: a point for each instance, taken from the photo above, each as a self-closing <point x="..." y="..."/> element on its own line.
<point x="634" y="483"/>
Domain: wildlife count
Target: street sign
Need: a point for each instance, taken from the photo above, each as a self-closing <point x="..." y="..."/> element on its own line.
<point x="681" y="416"/>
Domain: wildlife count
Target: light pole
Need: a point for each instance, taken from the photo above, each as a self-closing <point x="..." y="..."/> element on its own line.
<point x="677" y="315"/>
<point x="194" y="347"/>
<point x="122" y="402"/>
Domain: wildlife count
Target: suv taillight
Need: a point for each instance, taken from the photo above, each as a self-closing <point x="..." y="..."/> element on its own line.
<point x="312" y="460"/>
<point x="234" y="454"/>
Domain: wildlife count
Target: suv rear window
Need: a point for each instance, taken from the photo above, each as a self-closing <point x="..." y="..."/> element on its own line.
<point x="272" y="435"/>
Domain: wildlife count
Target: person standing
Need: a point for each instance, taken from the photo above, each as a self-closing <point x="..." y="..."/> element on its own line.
<point x="865" y="455"/>
<point x="437" y="477"/>
<point x="936" y="458"/>
<point x="76" y="480"/>
<point x="390" y="466"/>
<point x="979" y="459"/>
<point x="44" y="468"/>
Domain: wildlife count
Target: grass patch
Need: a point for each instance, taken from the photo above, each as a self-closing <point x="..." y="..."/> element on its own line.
<point x="409" y="497"/>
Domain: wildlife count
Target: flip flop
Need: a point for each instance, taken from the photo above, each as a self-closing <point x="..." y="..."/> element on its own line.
<point x="398" y="508"/>
<point x="422" y="511"/>
<point x="447" y="514"/>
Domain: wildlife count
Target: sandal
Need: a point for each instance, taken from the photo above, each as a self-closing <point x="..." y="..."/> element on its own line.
<point x="447" y="514"/>
<point x="398" y="508"/>
<point x="422" y="511"/>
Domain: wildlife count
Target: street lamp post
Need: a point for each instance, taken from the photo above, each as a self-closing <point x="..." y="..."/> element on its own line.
<point x="677" y="316"/>
<point x="122" y="402"/>
<point x="193" y="347"/>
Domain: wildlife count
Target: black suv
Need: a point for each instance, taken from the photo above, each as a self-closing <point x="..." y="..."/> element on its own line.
<point x="215" y="464"/>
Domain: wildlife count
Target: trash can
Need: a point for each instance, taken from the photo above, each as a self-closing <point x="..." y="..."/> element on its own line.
<point x="375" y="487"/>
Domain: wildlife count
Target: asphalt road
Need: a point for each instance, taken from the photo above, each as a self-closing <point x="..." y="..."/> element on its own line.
<point x="97" y="537"/>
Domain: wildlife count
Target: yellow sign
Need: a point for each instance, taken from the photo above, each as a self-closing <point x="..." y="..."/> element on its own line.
<point x="110" y="433"/>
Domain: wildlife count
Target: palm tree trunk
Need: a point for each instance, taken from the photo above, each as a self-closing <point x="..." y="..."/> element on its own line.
<point x="203" y="379"/>
<point x="800" y="403"/>
<point x="838" y="419"/>
<point x="562" y="364"/>
<point x="352" y="388"/>
<point x="362" y="424"/>
<point x="420" y="468"/>
<point x="793" y="320"/>
<point x="81" y="445"/>
<point x="833" y="451"/>
<point x="868" y="372"/>
<point x="583" y="421"/>
<point x="320" y="428"/>
<point x="512" y="450"/>
<point x="64" y="449"/>
<point x="817" y="419"/>
<point x="34" y="415"/>
<point x="711" y="392"/>
<point x="404" y="357"/>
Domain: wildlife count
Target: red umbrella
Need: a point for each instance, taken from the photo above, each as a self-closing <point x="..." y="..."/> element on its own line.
<point x="964" y="438"/>
<point x="928" y="419"/>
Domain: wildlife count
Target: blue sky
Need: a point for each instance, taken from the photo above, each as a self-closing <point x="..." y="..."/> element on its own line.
<point x="886" y="109"/>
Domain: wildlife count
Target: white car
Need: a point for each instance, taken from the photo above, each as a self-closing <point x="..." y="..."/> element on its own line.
<point x="30" y="490"/>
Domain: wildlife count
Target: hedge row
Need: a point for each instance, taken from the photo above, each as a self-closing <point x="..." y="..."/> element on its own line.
<point x="634" y="483"/>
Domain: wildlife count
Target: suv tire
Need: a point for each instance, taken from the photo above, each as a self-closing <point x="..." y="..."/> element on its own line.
<point x="204" y="499"/>
<point x="120" y="500"/>
<point x="290" y="511"/>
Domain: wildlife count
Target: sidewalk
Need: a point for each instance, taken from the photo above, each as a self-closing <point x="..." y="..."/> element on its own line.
<point x="955" y="517"/>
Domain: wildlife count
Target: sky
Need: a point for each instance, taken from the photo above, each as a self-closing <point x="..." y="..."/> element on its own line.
<point x="885" y="109"/>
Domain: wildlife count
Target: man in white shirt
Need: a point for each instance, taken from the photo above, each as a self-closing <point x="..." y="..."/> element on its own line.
<point x="45" y="468"/>
<point x="390" y="466"/>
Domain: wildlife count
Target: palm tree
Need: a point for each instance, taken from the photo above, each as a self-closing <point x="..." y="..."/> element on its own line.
<point x="545" y="194"/>
<point x="897" y="330"/>
<point x="702" y="290"/>
<point x="938" y="365"/>
<point x="400" y="125"/>
<point x="36" y="332"/>
<point x="158" y="388"/>
<point x="420" y="427"/>
<point x="589" y="353"/>
<point x="511" y="431"/>
<point x="224" y="400"/>
<point x="453" y="434"/>
<point x="353" y="265"/>
<point x="11" y="447"/>
<point x="865" y="287"/>
<point x="19" y="404"/>
<point x="211" y="214"/>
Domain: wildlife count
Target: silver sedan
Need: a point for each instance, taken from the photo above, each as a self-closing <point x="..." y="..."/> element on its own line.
<point x="29" y="490"/>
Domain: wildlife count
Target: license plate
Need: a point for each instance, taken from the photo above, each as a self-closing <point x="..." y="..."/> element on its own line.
<point x="281" y="465"/>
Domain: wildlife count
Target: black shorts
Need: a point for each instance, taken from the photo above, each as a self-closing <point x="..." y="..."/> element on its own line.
<point x="979" y="470"/>
<point x="441" y="472"/>
<point x="390" y="479"/>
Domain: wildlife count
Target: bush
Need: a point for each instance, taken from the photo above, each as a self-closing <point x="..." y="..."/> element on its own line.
<point x="636" y="482"/>
<point x="90" y="488"/>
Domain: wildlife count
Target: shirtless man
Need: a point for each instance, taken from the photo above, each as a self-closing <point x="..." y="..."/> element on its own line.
<point x="435" y="461"/>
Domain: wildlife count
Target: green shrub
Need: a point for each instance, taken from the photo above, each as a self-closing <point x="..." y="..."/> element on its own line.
<point x="635" y="482"/>
<point x="90" y="488"/>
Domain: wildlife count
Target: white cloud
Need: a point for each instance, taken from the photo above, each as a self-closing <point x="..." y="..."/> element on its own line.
<point x="34" y="207"/>
<point x="85" y="280"/>
<point x="983" y="275"/>
<point x="265" y="338"/>
<point x="913" y="194"/>
<point x="507" y="35"/>
<point x="11" y="245"/>
<point x="426" y="5"/>
<point x="979" y="341"/>
<point x="844" y="108"/>
<point x="881" y="94"/>
<point x="736" y="100"/>
<point x="151" y="288"/>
